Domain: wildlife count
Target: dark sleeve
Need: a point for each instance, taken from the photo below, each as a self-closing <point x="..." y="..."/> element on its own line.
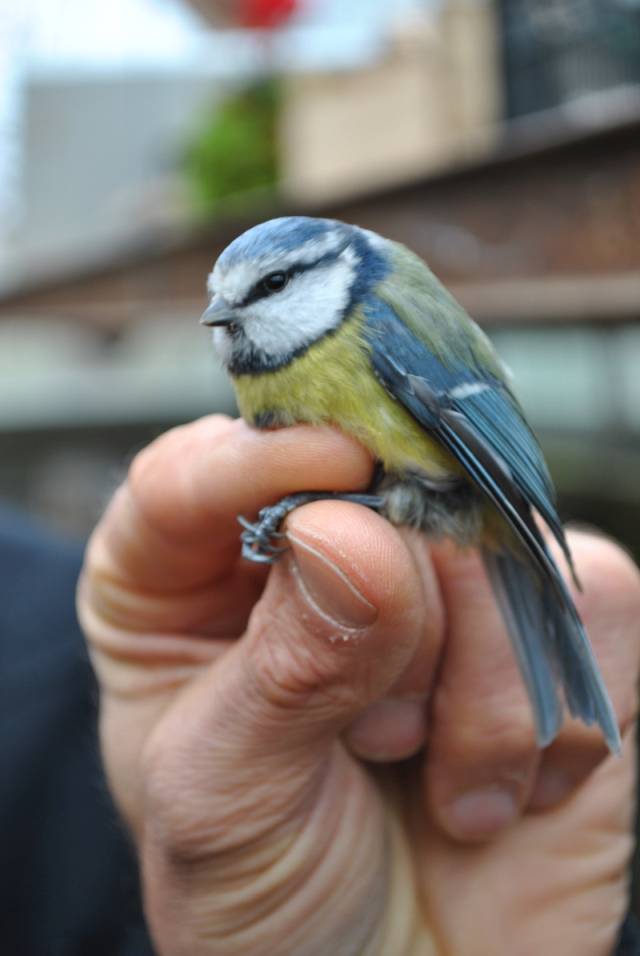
<point x="68" y="879"/>
<point x="629" y="940"/>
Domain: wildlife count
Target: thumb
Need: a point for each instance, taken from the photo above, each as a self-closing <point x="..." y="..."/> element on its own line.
<point x="340" y="622"/>
<point x="341" y="619"/>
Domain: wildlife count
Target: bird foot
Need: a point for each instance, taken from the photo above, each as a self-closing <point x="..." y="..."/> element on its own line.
<point x="260" y="539"/>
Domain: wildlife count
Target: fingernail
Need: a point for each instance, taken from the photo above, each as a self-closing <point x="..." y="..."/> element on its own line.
<point x="479" y="814"/>
<point x="552" y="787"/>
<point x="328" y="588"/>
<point x="390" y="729"/>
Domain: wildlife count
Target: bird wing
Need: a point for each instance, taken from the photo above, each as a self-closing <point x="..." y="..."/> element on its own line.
<point x="475" y="416"/>
<point x="472" y="412"/>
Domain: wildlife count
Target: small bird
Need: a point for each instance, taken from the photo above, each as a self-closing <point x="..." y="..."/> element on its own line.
<point x="322" y="322"/>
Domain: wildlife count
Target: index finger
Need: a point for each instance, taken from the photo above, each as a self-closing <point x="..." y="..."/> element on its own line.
<point x="173" y="524"/>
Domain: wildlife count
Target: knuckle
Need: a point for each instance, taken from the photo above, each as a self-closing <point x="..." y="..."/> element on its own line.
<point x="610" y="605"/>
<point x="144" y="465"/>
<point x="502" y="726"/>
<point x="607" y="570"/>
<point x="164" y="477"/>
<point x="289" y="671"/>
<point x="173" y="443"/>
<point x="160" y="483"/>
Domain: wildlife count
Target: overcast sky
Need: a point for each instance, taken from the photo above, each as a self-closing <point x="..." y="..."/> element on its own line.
<point x="92" y="31"/>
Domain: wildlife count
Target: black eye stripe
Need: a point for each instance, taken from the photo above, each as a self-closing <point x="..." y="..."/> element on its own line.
<point x="259" y="292"/>
<point x="261" y="289"/>
<point x="265" y="287"/>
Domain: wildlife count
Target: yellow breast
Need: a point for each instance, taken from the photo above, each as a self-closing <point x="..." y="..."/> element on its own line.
<point x="333" y="383"/>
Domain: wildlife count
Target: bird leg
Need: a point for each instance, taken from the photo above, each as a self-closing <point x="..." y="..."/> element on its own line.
<point x="259" y="540"/>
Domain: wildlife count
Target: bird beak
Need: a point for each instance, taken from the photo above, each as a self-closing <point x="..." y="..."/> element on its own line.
<point x="217" y="313"/>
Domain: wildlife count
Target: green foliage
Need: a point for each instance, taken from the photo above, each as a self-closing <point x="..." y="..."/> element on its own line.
<point x="234" y="153"/>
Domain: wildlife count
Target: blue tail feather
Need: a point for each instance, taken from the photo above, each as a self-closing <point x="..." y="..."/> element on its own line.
<point x="552" y="649"/>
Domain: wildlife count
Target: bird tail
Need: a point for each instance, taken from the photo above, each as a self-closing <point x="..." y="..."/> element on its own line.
<point x="552" y="648"/>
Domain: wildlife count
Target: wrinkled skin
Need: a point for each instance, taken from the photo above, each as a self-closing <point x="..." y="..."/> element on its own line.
<point x="254" y="724"/>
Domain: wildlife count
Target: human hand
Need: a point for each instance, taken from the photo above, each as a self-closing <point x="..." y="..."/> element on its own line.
<point x="236" y="705"/>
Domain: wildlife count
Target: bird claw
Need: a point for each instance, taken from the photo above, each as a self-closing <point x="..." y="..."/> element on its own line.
<point x="258" y="538"/>
<point x="259" y="554"/>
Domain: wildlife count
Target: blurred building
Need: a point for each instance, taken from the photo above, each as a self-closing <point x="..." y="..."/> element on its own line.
<point x="566" y="51"/>
<point x="114" y="142"/>
<point x="430" y="99"/>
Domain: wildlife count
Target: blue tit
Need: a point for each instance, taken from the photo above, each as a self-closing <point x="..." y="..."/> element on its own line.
<point x="322" y="322"/>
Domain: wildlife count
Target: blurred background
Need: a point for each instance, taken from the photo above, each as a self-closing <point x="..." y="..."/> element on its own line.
<point x="500" y="139"/>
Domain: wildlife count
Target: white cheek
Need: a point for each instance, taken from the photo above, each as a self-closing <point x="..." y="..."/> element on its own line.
<point x="309" y="307"/>
<point x="222" y="345"/>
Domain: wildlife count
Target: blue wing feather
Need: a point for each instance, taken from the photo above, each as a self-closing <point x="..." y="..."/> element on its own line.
<point x="491" y="410"/>
<point x="495" y="415"/>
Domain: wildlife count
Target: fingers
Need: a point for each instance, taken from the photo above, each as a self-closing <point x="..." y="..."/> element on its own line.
<point x="482" y="756"/>
<point x="483" y="766"/>
<point x="174" y="522"/>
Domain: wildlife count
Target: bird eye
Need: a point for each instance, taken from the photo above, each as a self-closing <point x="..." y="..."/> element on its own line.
<point x="274" y="282"/>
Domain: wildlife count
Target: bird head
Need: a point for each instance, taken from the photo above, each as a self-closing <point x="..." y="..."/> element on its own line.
<point x="283" y="285"/>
